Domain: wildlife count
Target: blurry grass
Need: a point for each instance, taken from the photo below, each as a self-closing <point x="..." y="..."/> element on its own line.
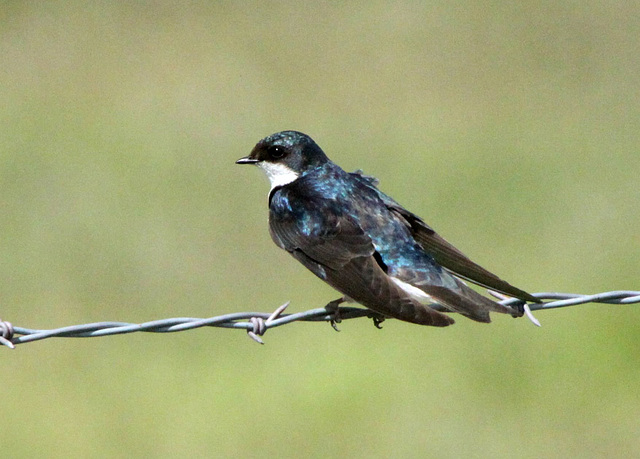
<point x="513" y="129"/>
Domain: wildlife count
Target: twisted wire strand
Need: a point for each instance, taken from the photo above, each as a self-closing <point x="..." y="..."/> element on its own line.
<point x="257" y="323"/>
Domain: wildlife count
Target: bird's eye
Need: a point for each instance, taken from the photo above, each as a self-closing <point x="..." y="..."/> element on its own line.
<point x="276" y="151"/>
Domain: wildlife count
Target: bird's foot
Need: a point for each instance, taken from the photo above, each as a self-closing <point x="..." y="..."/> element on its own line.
<point x="333" y="308"/>
<point x="377" y="319"/>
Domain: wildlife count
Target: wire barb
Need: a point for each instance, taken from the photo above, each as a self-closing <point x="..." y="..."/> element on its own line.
<point x="527" y="311"/>
<point x="6" y="334"/>
<point x="260" y="325"/>
<point x="257" y="323"/>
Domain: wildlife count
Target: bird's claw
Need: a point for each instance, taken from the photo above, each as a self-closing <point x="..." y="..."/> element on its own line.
<point x="333" y="308"/>
<point x="377" y="320"/>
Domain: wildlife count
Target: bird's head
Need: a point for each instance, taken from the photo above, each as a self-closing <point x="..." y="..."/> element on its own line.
<point x="285" y="156"/>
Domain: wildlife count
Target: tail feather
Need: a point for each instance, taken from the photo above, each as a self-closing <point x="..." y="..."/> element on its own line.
<point x="468" y="302"/>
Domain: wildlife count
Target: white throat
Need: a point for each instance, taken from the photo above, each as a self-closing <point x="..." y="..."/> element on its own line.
<point x="279" y="174"/>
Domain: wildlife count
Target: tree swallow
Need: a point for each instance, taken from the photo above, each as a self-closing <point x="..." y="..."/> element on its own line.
<point x="366" y="245"/>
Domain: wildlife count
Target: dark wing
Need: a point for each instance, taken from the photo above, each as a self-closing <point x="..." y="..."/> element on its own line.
<point x="344" y="256"/>
<point x="445" y="254"/>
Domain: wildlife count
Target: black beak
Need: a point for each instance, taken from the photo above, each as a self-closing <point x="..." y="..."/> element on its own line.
<point x="247" y="160"/>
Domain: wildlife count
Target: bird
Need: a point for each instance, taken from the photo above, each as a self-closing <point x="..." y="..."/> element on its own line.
<point x="364" y="244"/>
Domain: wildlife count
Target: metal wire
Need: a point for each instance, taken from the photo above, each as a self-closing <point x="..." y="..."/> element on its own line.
<point x="257" y="323"/>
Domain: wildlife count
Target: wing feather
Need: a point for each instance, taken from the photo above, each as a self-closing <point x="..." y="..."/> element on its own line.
<point x="344" y="256"/>
<point x="445" y="254"/>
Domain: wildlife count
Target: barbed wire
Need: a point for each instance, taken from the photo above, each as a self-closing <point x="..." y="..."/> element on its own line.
<point x="257" y="323"/>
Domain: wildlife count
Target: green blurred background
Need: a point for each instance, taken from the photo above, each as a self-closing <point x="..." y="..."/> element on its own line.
<point x="512" y="129"/>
